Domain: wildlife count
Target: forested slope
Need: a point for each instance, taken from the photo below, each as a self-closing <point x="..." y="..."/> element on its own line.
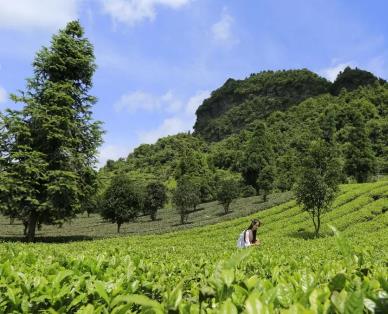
<point x="296" y="107"/>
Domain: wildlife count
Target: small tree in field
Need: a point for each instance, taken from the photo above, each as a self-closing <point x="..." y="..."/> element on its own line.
<point x="317" y="185"/>
<point x="155" y="199"/>
<point x="265" y="180"/>
<point x="228" y="190"/>
<point x="121" y="201"/>
<point x="186" y="198"/>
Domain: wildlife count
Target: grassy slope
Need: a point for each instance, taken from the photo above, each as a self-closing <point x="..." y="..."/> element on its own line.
<point x="287" y="263"/>
<point x="93" y="227"/>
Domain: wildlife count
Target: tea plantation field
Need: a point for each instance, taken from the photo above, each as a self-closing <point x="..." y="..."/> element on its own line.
<point x="94" y="227"/>
<point x="200" y="270"/>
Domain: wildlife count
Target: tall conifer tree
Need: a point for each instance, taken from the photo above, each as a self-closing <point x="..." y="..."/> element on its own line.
<point x="48" y="148"/>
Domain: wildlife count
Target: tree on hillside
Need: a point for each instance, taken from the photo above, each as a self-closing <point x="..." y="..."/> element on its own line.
<point x="228" y="190"/>
<point x="378" y="134"/>
<point x="92" y="205"/>
<point x="191" y="163"/>
<point x="155" y="198"/>
<point x="48" y="148"/>
<point x="185" y="198"/>
<point x="257" y="155"/>
<point x="122" y="201"/>
<point x="285" y="170"/>
<point x="317" y="184"/>
<point x="239" y="102"/>
<point x="194" y="165"/>
<point x="360" y="160"/>
<point x="265" y="180"/>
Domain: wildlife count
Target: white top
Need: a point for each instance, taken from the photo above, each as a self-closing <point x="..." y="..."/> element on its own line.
<point x="248" y="237"/>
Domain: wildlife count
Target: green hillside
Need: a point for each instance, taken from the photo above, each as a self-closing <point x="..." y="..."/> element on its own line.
<point x="237" y="103"/>
<point x="264" y="92"/>
<point x="201" y="270"/>
<point x="296" y="106"/>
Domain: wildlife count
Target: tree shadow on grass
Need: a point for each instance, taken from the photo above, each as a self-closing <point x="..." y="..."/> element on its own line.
<point x="49" y="239"/>
<point x="307" y="235"/>
<point x="155" y="220"/>
<point x="221" y="214"/>
<point x="146" y="221"/>
<point x="260" y="201"/>
<point x="197" y="210"/>
<point x="8" y="224"/>
<point x="185" y="224"/>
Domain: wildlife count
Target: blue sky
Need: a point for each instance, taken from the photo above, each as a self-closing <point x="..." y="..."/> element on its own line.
<point x="158" y="59"/>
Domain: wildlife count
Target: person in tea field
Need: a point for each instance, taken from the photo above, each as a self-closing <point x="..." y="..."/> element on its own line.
<point x="249" y="236"/>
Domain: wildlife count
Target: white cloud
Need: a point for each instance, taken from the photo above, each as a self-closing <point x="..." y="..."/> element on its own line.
<point x="112" y="152"/>
<point x="376" y="65"/>
<point x="222" y="30"/>
<point x="171" y="102"/>
<point x="137" y="100"/>
<point x="331" y="72"/>
<point x="169" y="126"/>
<point x="3" y="95"/>
<point x="195" y="101"/>
<point x="134" y="11"/>
<point x="37" y="14"/>
<point x="182" y="121"/>
<point x="141" y="101"/>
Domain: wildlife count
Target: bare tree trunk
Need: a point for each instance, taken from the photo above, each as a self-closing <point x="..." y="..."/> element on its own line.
<point x="318" y="224"/>
<point x="32" y="226"/>
<point x="118" y="227"/>
<point x="315" y="223"/>
<point x="25" y="223"/>
<point x="226" y="207"/>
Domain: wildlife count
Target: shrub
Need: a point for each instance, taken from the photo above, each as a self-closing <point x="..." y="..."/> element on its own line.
<point x="186" y="198"/>
<point x="121" y="201"/>
<point x="228" y="190"/>
<point x="155" y="198"/>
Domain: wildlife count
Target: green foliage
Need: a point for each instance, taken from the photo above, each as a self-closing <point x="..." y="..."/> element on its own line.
<point x="351" y="79"/>
<point x="248" y="191"/>
<point x="186" y="198"/>
<point x="48" y="148"/>
<point x="286" y="170"/>
<point x="257" y="157"/>
<point x="160" y="159"/>
<point x="360" y="161"/>
<point x="201" y="269"/>
<point x="155" y="198"/>
<point x="265" y="180"/>
<point x="255" y="97"/>
<point x="192" y="163"/>
<point x="122" y="201"/>
<point x="378" y="133"/>
<point x="318" y="182"/>
<point x="228" y="190"/>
